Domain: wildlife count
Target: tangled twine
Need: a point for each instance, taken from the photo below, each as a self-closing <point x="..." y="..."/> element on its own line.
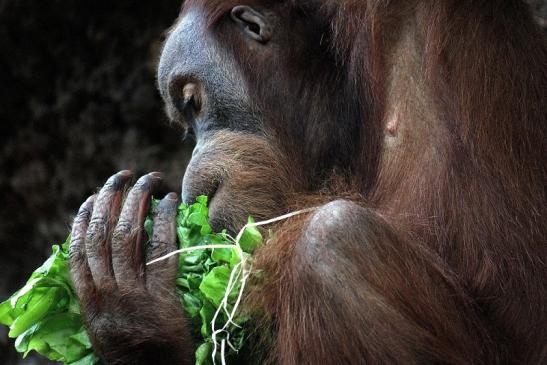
<point x="240" y="273"/>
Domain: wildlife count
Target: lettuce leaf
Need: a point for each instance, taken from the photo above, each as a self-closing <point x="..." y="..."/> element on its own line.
<point x="44" y="315"/>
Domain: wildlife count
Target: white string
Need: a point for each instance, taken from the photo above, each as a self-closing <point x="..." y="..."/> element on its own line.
<point x="238" y="271"/>
<point x="222" y="354"/>
<point x="187" y="249"/>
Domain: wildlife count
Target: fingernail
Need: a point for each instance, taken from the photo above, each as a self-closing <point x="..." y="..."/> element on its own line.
<point x="125" y="173"/>
<point x="156" y="174"/>
<point x="121" y="178"/>
<point x="91" y="199"/>
<point x="172" y="196"/>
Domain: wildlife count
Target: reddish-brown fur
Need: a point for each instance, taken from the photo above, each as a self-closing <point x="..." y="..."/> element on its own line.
<point x="455" y="187"/>
<point x="419" y="131"/>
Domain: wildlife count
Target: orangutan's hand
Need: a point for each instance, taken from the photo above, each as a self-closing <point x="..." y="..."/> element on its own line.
<point x="132" y="313"/>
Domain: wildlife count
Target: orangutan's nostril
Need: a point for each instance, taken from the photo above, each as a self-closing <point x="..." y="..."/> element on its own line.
<point x="190" y="103"/>
<point x="191" y="96"/>
<point x="186" y="100"/>
<point x="189" y="134"/>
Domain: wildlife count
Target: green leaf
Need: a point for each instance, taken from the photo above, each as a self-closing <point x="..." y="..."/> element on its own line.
<point x="251" y="238"/>
<point x="206" y="314"/>
<point x="202" y="199"/>
<point x="35" y="312"/>
<point x="50" y="263"/>
<point x="183" y="282"/>
<point x="45" y="316"/>
<point x="21" y="343"/>
<point x="90" y="359"/>
<point x="214" y="284"/>
<point x="223" y="255"/>
<point x="193" y="257"/>
<point x="148" y="227"/>
<point x="198" y="219"/>
<point x="65" y="246"/>
<point x="194" y="281"/>
<point x="82" y="338"/>
<point x="25" y="292"/>
<point x="192" y="304"/>
<point x="183" y="235"/>
<point x="149" y="221"/>
<point x="203" y="354"/>
<point x="198" y="268"/>
<point x="200" y="206"/>
<point x="205" y="229"/>
<point x="6" y="313"/>
<point x="57" y="332"/>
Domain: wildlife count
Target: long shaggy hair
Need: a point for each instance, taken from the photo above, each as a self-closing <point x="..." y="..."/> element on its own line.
<point x="433" y="115"/>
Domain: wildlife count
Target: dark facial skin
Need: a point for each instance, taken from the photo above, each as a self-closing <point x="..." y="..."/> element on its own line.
<point x="234" y="162"/>
<point x="259" y="115"/>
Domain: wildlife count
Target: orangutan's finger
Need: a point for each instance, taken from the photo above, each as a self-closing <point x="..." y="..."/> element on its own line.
<point x="79" y="269"/>
<point x="160" y="276"/>
<point x="104" y="217"/>
<point x="129" y="236"/>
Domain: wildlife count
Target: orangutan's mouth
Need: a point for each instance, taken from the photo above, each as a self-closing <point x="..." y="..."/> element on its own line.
<point x="196" y="185"/>
<point x="220" y="210"/>
<point x="213" y="194"/>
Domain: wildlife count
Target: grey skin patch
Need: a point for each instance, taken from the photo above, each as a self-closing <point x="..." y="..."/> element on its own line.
<point x="326" y="247"/>
<point x="324" y="240"/>
<point x="191" y="53"/>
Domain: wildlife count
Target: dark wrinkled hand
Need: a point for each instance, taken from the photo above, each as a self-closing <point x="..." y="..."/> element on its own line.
<point x="131" y="310"/>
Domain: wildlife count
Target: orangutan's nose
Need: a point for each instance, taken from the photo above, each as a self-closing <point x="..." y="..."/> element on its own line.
<point x="181" y="67"/>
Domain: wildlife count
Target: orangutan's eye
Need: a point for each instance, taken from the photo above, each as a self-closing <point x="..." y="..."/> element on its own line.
<point x="252" y="22"/>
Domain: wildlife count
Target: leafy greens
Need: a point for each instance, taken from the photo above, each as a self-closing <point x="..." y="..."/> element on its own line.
<point x="45" y="316"/>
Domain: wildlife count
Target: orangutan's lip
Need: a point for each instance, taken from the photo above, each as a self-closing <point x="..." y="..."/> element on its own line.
<point x="210" y="194"/>
<point x="217" y="209"/>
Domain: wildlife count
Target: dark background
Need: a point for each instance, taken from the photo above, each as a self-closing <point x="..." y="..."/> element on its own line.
<point x="78" y="102"/>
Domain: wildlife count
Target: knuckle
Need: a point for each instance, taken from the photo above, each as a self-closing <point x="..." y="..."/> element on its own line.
<point x="85" y="211"/>
<point x="91" y="253"/>
<point x="84" y="214"/>
<point x="97" y="230"/>
<point x="122" y="231"/>
<point x="157" y="248"/>
<point x="97" y="224"/>
<point x="109" y="184"/>
<point x="75" y="251"/>
<point x="78" y="227"/>
<point x="162" y="219"/>
<point x="157" y="244"/>
<point x="166" y="211"/>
